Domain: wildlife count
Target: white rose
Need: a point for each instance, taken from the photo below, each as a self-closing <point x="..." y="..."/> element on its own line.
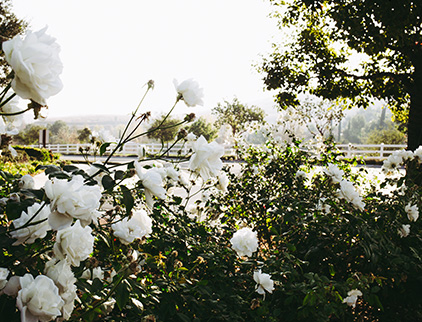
<point x="190" y="91"/>
<point x="61" y="274"/>
<point x="223" y="181"/>
<point x="4" y="273"/>
<point x="191" y="137"/>
<point x="138" y="226"/>
<point x="72" y="199"/>
<point x="334" y="172"/>
<point x="74" y="243"/>
<point x="352" y="297"/>
<point x="11" y="122"/>
<point x="418" y="154"/>
<point x="37" y="66"/>
<point x="96" y="272"/>
<point x="26" y="182"/>
<point x="152" y="180"/>
<point x="206" y="159"/>
<point x="348" y="192"/>
<point x="245" y="241"/>
<point x="38" y="299"/>
<point x="263" y="282"/>
<point x="412" y="212"/>
<point x="404" y="230"/>
<point x="30" y="233"/>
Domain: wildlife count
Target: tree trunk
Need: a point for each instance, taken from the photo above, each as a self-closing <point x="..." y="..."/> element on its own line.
<point x="414" y="125"/>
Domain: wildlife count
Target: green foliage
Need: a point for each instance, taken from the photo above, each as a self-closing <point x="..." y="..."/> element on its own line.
<point x="10" y="26"/>
<point x="319" y="246"/>
<point x="204" y="128"/>
<point x="328" y="36"/>
<point x="29" y="135"/>
<point x="84" y="135"/>
<point x="387" y="136"/>
<point x="237" y="115"/>
<point x="164" y="129"/>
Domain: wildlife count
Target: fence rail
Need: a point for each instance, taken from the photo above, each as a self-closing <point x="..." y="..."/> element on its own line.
<point x="366" y="151"/>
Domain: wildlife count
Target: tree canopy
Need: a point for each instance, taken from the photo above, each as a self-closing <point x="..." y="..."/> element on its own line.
<point x="237" y="115"/>
<point x="10" y="26"/>
<point x="164" y="128"/>
<point x="355" y="50"/>
<point x="204" y="128"/>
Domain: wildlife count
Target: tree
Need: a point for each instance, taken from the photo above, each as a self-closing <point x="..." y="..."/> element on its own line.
<point x="237" y="115"/>
<point x="202" y="127"/>
<point x="328" y="36"/>
<point x="84" y="135"/>
<point x="164" y="131"/>
<point x="29" y="135"/>
<point x="10" y="26"/>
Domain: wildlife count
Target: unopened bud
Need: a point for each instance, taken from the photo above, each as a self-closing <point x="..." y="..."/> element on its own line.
<point x="189" y="117"/>
<point x="151" y="84"/>
<point x="182" y="134"/>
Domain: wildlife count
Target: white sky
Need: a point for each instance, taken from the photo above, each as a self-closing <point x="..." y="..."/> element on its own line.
<point x="110" y="49"/>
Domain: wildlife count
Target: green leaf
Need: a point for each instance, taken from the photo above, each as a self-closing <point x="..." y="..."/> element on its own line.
<point x="104" y="147"/>
<point x="108" y="182"/>
<point x="119" y="175"/>
<point x="122" y="294"/>
<point x="127" y="199"/>
<point x="70" y="168"/>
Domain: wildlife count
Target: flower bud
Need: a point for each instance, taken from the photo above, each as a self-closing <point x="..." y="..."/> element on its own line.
<point x="189" y="117"/>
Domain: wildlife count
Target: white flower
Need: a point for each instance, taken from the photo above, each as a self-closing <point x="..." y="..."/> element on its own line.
<point x="405" y="155"/>
<point x="191" y="137"/>
<point x="38" y="299"/>
<point x="412" y="212"/>
<point x="223" y="181"/>
<point x="418" y="154"/>
<point x="61" y="274"/>
<point x="36" y="64"/>
<point x="348" y="192"/>
<point x="30" y="233"/>
<point x="4" y="272"/>
<point x="74" y="243"/>
<point x="245" y="241"/>
<point x="13" y="286"/>
<point x="404" y="230"/>
<point x="26" y="182"/>
<point x="352" y="297"/>
<point x="72" y="199"/>
<point x="263" y="282"/>
<point x="300" y="174"/>
<point x="11" y="122"/>
<point x="334" y="172"/>
<point x="138" y="226"/>
<point x="152" y="180"/>
<point x="96" y="272"/>
<point x="190" y="91"/>
<point x="393" y="161"/>
<point x="206" y="159"/>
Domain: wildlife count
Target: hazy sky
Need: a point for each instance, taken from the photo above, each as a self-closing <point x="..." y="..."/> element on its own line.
<point x="110" y="49"/>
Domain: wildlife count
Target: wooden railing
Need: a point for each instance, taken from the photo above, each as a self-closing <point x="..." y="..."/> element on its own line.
<point x="366" y="151"/>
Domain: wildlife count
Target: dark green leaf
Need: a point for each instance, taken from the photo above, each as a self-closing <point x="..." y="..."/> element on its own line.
<point x="104" y="147"/>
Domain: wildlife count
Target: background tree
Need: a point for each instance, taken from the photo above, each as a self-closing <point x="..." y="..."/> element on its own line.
<point x="29" y="135"/>
<point x="167" y="131"/>
<point x="10" y="26"/>
<point x="329" y="35"/>
<point x="202" y="127"/>
<point x="237" y="115"/>
<point x="84" y="135"/>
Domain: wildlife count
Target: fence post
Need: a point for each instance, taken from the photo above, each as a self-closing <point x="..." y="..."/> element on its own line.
<point x="382" y="150"/>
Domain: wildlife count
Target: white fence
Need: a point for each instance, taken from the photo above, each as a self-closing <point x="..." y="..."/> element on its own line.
<point x="366" y="151"/>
